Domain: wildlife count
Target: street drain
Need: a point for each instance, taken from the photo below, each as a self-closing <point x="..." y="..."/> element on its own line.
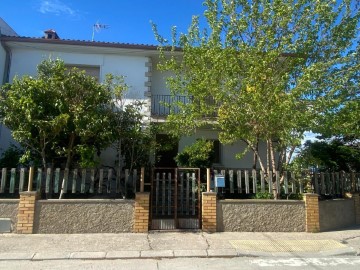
<point x="287" y="245"/>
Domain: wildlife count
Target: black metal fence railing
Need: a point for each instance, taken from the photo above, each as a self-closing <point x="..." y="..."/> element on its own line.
<point x="161" y="104"/>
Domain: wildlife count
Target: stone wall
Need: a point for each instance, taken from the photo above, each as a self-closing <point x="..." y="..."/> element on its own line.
<point x="336" y="214"/>
<point x="260" y="216"/>
<point x="9" y="209"/>
<point x="84" y="216"/>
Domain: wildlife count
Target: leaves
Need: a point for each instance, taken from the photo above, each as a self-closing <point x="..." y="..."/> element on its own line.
<point x="266" y="70"/>
<point x="334" y="155"/>
<point x="197" y="155"/>
<point x="59" y="109"/>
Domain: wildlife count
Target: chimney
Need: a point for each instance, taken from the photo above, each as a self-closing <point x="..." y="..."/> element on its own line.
<point x="51" y="34"/>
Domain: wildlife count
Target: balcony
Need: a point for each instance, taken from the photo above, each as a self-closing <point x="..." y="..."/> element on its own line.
<point x="160" y="104"/>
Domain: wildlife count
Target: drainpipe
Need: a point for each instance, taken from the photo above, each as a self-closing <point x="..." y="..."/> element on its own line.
<point x="6" y="76"/>
<point x="7" y="62"/>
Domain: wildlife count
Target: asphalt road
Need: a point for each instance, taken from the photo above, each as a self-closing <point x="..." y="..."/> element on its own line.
<point x="343" y="263"/>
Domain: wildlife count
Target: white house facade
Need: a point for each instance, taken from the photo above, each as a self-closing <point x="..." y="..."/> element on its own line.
<point x="5" y="29"/>
<point x="137" y="63"/>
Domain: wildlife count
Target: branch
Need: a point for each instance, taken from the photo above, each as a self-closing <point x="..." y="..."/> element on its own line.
<point x="291" y="152"/>
<point x="256" y="152"/>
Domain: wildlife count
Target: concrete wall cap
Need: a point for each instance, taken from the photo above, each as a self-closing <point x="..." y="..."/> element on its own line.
<point x="28" y="193"/>
<point x="260" y="201"/>
<point x="209" y="193"/>
<point x="87" y="201"/>
<point x="10" y="201"/>
<point x="311" y="195"/>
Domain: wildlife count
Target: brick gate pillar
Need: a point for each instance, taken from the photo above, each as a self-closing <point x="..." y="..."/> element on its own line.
<point x="26" y="212"/>
<point x="356" y="198"/>
<point x="312" y="218"/>
<point x="142" y="209"/>
<point x="208" y="211"/>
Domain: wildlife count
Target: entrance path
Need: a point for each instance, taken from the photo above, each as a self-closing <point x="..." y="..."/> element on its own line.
<point x="178" y="244"/>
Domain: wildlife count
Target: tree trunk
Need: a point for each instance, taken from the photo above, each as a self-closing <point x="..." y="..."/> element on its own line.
<point x="68" y="160"/>
<point x="119" y="166"/>
<point x="42" y="153"/>
<point x="43" y="158"/>
<point x="257" y="153"/>
<point x="267" y="157"/>
<point x="255" y="157"/>
<point x="70" y="150"/>
<point x="291" y="152"/>
<point x="281" y="160"/>
<point x="272" y="157"/>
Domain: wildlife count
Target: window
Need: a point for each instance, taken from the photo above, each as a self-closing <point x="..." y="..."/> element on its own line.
<point x="93" y="71"/>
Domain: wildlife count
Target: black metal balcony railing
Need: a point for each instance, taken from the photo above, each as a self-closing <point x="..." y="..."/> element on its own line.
<point x="160" y="104"/>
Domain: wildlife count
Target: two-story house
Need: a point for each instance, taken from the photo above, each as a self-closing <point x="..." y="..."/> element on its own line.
<point x="5" y="30"/>
<point x="138" y="63"/>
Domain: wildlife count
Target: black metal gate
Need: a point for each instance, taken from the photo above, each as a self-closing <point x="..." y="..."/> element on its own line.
<point x="175" y="198"/>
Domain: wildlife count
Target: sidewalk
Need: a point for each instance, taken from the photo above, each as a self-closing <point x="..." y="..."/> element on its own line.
<point x="178" y="244"/>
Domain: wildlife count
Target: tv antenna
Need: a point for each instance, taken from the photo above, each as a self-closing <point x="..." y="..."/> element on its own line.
<point x="97" y="27"/>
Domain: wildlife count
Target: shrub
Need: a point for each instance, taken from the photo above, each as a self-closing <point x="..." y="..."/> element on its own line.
<point x="11" y="157"/>
<point x="198" y="155"/>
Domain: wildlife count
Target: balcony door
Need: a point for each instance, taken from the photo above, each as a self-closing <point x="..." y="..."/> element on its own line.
<point x="165" y="157"/>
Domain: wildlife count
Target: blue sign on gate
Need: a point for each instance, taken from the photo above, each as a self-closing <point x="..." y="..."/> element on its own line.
<point x="219" y="180"/>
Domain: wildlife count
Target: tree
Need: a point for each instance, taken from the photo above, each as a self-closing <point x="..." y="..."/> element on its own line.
<point x="264" y="70"/>
<point x="198" y="155"/>
<point x="60" y="113"/>
<point x="10" y="158"/>
<point x="133" y="139"/>
<point x="24" y="108"/>
<point x="334" y="155"/>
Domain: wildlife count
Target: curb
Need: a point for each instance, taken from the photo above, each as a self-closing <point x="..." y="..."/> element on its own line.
<point x="162" y="254"/>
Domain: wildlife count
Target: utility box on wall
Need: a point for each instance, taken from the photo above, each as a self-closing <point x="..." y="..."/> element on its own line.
<point x="5" y="225"/>
<point x="219" y="181"/>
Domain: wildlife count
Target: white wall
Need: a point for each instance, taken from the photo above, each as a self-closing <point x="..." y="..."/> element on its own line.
<point x="227" y="152"/>
<point x="24" y="62"/>
<point x="5" y="135"/>
<point x="158" y="79"/>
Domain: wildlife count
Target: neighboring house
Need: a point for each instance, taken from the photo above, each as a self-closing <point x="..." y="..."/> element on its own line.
<point x="136" y="62"/>
<point x="5" y="29"/>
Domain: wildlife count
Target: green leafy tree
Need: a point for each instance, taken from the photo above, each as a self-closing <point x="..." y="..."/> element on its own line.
<point x="264" y="71"/>
<point x="198" y="155"/>
<point x="25" y="109"/>
<point x="344" y="121"/>
<point x="10" y="158"/>
<point x="134" y="140"/>
<point x="60" y="113"/>
<point x="334" y="155"/>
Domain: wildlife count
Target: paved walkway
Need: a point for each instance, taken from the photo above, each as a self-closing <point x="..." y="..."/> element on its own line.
<point x="178" y="244"/>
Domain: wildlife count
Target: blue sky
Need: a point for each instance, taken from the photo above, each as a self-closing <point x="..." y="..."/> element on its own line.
<point x="128" y="20"/>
